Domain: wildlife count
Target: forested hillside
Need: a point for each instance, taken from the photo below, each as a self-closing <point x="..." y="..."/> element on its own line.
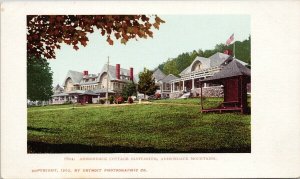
<point x="176" y="65"/>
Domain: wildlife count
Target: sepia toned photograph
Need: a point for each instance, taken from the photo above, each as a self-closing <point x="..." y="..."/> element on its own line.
<point x="138" y="84"/>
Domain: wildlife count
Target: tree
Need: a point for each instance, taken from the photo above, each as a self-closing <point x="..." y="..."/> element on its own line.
<point x="146" y="83"/>
<point x="45" y="33"/>
<point x="129" y="90"/>
<point x="39" y="80"/>
<point x="170" y="67"/>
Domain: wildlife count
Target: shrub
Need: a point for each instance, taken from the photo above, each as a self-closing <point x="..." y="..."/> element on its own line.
<point x="111" y="99"/>
<point x="120" y="100"/>
<point x="157" y="96"/>
<point x="102" y="101"/>
<point x="130" y="100"/>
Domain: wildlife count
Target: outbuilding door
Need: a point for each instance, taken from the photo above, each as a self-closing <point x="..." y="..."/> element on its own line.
<point x="231" y="90"/>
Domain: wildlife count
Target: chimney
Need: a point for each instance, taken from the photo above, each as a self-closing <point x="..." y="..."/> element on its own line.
<point x="85" y="73"/>
<point x="228" y="52"/>
<point x="131" y="74"/>
<point x="118" y="71"/>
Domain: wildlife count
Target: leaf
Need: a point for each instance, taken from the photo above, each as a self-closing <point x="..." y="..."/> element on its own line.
<point x="117" y="35"/>
<point x="135" y="30"/>
<point x="110" y="41"/>
<point x="102" y="32"/>
<point x="59" y="40"/>
<point x="50" y="30"/>
<point x="75" y="47"/>
<point x="123" y="41"/>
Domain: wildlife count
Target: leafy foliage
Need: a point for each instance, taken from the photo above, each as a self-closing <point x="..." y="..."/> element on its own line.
<point x="146" y="83"/>
<point x="39" y="79"/>
<point x="130" y="100"/>
<point x="176" y="65"/>
<point x="129" y="90"/>
<point x="45" y="33"/>
<point x="111" y="99"/>
<point x="119" y="100"/>
<point x="170" y="67"/>
<point x="101" y="101"/>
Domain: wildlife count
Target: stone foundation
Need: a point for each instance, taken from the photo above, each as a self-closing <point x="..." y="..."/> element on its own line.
<point x="175" y="94"/>
<point x="215" y="91"/>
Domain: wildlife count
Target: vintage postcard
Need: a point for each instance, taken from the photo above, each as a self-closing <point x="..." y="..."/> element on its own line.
<point x="143" y="90"/>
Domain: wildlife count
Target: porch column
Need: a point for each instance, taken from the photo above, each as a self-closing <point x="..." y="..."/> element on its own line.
<point x="183" y="85"/>
<point x="193" y="84"/>
<point x="204" y="85"/>
<point x="173" y="86"/>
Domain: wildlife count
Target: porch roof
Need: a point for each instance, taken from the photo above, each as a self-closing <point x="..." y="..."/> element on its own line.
<point x="233" y="68"/>
<point x="60" y="94"/>
<point x="102" y="90"/>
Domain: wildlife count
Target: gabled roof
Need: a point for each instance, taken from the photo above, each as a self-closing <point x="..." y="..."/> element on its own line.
<point x="74" y="75"/>
<point x="112" y="72"/>
<point x="215" y="60"/>
<point x="204" y="61"/>
<point x="76" y="92"/>
<point x="168" y="78"/>
<point x="158" y="74"/>
<point x="60" y="94"/>
<point x="233" y="68"/>
<point x="57" y="88"/>
<point x="88" y="92"/>
<point x="102" y="90"/>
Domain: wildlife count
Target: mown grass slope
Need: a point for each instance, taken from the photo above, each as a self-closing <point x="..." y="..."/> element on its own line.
<point x="156" y="127"/>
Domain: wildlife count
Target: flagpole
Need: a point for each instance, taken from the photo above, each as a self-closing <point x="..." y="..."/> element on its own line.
<point x="106" y="96"/>
<point x="234" y="49"/>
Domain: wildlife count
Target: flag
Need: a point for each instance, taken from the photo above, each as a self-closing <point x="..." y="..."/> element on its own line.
<point x="230" y="40"/>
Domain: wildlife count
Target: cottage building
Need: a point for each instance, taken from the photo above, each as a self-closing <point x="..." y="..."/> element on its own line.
<point x="162" y="81"/>
<point x="85" y="87"/>
<point x="200" y="68"/>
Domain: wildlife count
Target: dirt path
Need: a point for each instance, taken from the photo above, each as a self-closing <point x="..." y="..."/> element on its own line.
<point x="176" y="104"/>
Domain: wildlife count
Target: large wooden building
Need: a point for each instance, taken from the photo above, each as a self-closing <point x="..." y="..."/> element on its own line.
<point x="85" y="87"/>
<point x="200" y="68"/>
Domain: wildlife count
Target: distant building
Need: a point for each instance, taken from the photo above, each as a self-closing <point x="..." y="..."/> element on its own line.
<point x="89" y="88"/>
<point x="162" y="81"/>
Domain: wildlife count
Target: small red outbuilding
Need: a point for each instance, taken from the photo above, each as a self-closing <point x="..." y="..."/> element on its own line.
<point x="234" y="77"/>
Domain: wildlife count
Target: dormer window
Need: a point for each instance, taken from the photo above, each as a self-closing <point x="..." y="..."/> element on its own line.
<point x="196" y="66"/>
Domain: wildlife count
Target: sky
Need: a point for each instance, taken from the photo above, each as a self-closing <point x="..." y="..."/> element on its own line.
<point x="180" y="33"/>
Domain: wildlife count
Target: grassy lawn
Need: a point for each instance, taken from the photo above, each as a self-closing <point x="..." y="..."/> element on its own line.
<point x="162" y="126"/>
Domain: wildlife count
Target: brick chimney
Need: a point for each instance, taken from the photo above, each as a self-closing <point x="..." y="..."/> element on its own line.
<point x="85" y="73"/>
<point x="228" y="52"/>
<point x="131" y="74"/>
<point x="118" y="71"/>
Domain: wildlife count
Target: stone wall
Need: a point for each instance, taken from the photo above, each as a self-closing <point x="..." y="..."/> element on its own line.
<point x="214" y="91"/>
<point x="175" y="94"/>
